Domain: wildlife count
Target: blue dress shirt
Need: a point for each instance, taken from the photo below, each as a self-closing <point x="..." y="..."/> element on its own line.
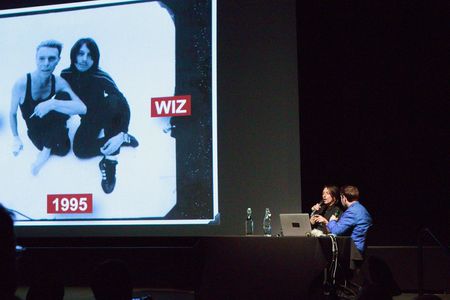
<point x="354" y="222"/>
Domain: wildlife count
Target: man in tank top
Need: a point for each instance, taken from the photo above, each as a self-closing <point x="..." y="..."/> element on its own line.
<point x="45" y="116"/>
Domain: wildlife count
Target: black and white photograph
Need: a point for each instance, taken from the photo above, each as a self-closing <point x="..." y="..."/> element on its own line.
<point x="76" y="89"/>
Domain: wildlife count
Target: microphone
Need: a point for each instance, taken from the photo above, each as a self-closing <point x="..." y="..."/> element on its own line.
<point x="313" y="212"/>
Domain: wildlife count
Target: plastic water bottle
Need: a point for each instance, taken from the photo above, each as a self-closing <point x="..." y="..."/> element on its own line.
<point x="267" y="223"/>
<point x="249" y="222"/>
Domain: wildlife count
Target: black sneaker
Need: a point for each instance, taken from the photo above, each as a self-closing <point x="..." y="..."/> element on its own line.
<point x="108" y="170"/>
<point x="132" y="142"/>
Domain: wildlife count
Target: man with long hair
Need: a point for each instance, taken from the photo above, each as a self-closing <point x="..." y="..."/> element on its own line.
<point x="104" y="128"/>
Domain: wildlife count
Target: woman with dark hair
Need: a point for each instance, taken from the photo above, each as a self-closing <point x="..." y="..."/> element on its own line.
<point x="104" y="127"/>
<point x="329" y="206"/>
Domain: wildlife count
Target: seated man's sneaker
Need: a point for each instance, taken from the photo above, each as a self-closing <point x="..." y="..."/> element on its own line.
<point x="108" y="170"/>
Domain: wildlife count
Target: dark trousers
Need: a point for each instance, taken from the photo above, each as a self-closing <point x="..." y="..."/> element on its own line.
<point x="113" y="119"/>
<point x="51" y="132"/>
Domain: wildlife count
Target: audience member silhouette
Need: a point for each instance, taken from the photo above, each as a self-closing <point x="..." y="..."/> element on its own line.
<point x="8" y="272"/>
<point x="428" y="297"/>
<point x="46" y="286"/>
<point x="374" y="292"/>
<point x="111" y="280"/>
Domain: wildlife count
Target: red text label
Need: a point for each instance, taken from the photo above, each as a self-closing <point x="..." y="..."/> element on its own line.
<point x="69" y="204"/>
<point x="170" y="106"/>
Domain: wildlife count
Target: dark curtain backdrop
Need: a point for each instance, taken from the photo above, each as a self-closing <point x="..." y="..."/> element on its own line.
<point x="374" y="110"/>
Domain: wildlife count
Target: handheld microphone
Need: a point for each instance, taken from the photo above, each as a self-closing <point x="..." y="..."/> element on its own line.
<point x="314" y="211"/>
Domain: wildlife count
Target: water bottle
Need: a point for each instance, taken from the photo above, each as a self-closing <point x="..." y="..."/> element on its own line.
<point x="249" y="222"/>
<point x="267" y="223"/>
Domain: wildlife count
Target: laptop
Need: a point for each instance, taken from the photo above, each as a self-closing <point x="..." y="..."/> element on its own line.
<point x="295" y="224"/>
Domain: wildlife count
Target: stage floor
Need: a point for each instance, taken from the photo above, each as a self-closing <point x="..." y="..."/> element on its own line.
<point x="84" y="293"/>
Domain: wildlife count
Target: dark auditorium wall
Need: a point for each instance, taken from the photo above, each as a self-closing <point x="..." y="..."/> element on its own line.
<point x="374" y="110"/>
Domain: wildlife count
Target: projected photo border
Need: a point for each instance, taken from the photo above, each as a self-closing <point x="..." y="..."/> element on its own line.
<point x="196" y="135"/>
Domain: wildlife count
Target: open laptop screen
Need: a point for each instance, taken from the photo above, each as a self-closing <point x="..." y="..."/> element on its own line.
<point x="295" y="224"/>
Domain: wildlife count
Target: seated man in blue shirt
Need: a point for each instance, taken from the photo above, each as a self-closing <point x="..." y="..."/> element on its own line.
<point x="355" y="221"/>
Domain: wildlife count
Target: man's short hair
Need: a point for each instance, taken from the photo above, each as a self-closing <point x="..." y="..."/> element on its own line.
<point x="350" y="192"/>
<point x="51" y="44"/>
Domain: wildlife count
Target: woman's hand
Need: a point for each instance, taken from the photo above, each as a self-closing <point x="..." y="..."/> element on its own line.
<point x="315" y="207"/>
<point x="320" y="219"/>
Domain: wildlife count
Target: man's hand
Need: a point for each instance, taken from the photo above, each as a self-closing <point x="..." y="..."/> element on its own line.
<point x="112" y="144"/>
<point x="333" y="218"/>
<point x="17" y="146"/>
<point x="43" y="108"/>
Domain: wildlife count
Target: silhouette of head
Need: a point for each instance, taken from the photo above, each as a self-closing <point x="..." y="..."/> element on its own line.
<point x="46" y="286"/>
<point x="8" y="274"/>
<point x="111" y="281"/>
